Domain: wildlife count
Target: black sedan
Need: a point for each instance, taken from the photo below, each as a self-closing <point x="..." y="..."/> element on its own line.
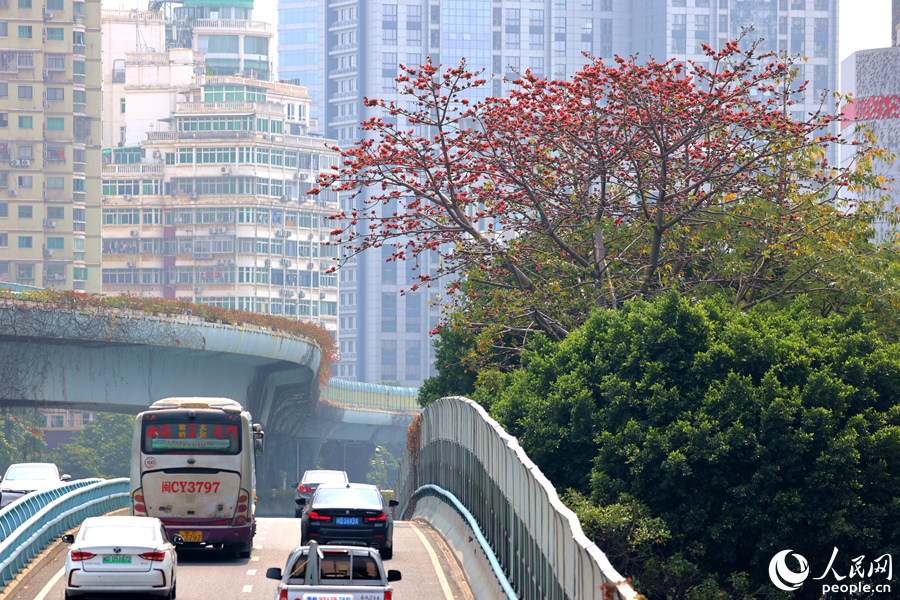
<point x="353" y="514"/>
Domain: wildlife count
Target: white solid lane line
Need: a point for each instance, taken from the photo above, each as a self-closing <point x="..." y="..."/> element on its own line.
<point x="46" y="589"/>
<point x="437" y="566"/>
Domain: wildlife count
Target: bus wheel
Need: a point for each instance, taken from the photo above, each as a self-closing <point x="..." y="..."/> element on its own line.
<point x="243" y="550"/>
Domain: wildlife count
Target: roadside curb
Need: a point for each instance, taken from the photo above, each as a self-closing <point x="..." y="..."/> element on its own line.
<point x="39" y="562"/>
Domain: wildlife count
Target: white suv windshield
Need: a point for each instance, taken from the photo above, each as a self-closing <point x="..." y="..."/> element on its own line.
<point x="31" y="472"/>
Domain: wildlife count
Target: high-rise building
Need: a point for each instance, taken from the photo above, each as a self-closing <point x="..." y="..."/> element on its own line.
<point x="346" y="50"/>
<point x="50" y="143"/>
<point x="206" y="165"/>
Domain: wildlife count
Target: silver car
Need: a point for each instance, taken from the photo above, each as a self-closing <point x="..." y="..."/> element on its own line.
<point x="24" y="478"/>
<point x="311" y="480"/>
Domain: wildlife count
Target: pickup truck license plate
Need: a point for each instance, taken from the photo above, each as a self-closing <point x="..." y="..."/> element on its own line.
<point x="191" y="536"/>
<point x="120" y="560"/>
<point x="347" y="520"/>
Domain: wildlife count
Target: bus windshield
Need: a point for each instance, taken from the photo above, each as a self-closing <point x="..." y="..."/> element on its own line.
<point x="184" y="436"/>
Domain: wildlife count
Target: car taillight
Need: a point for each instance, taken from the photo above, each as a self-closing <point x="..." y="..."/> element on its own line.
<point x="381" y="517"/>
<point x="242" y="513"/>
<point x="283" y="594"/>
<point x="317" y="517"/>
<point x="79" y="556"/>
<point x="154" y="556"/>
<point x="137" y="505"/>
<point x="304" y="489"/>
<point x="388" y="595"/>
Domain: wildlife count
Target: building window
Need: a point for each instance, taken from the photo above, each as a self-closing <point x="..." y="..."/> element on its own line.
<point x="56" y="34"/>
<point x="25" y="92"/>
<point x="25" y="212"/>
<point x="4" y="243"/>
<point x="122" y="105"/>
<point x="24" y="32"/>
<point x="56" y="123"/>
<point x="56" y="212"/>
<point x="24" y="3"/>
<point x="26" y="122"/>
<point x="4" y="29"/>
<point x="4" y="209"/>
<point x="55" y="243"/>
<point x="4" y="90"/>
<point x="25" y="241"/>
<point x="26" y="181"/>
<point x="389" y="36"/>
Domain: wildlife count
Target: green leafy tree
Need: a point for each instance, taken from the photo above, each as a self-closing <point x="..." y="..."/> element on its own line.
<point x="733" y="435"/>
<point x="21" y="439"/>
<point x="101" y="449"/>
<point x="383" y="466"/>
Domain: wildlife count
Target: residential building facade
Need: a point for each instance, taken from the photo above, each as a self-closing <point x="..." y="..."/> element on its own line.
<point x="205" y="172"/>
<point x="50" y="144"/>
<point x="346" y="50"/>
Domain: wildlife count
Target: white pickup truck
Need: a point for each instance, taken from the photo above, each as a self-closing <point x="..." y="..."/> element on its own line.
<point x="334" y="573"/>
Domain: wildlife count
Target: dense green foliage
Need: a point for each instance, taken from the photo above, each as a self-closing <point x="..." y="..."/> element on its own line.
<point x="21" y="439"/>
<point x="101" y="449"/>
<point x="456" y="375"/>
<point x="698" y="440"/>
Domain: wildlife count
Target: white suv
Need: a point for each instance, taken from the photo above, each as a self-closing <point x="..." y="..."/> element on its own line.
<point x="23" y="478"/>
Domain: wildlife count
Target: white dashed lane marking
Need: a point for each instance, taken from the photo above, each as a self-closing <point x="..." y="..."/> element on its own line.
<point x="254" y="559"/>
<point x="247" y="589"/>
<point x="251" y="572"/>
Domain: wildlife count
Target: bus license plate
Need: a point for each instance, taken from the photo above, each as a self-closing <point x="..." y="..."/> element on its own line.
<point x="122" y="560"/>
<point x="191" y="536"/>
<point x="347" y="520"/>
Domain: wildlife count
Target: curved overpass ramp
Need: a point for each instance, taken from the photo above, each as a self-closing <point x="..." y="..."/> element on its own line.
<point x="114" y="360"/>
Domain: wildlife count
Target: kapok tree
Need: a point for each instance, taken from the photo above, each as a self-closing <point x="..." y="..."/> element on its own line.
<point x="624" y="181"/>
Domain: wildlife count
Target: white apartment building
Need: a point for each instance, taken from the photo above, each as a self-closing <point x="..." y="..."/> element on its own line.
<point x="205" y="173"/>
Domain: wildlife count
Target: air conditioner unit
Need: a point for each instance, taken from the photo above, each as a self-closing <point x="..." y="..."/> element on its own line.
<point x="198" y="289"/>
<point x="212" y="229"/>
<point x="46" y="104"/>
<point x="157" y="154"/>
<point x="192" y="195"/>
<point x="134" y="233"/>
<point x="285" y="198"/>
<point x="14" y="162"/>
<point x="48" y="15"/>
<point x="301" y="294"/>
<point x="25" y="162"/>
<point x="127" y="196"/>
<point x="46" y="74"/>
<point x="222" y="230"/>
<point x="49" y="223"/>
<point x="310" y="266"/>
<point x="171" y="281"/>
<point x="321" y="295"/>
<point x="230" y="262"/>
<point x="268" y="262"/>
<point x="129" y="264"/>
<point x="48" y="252"/>
<point x="309" y="236"/>
<point x="12" y="192"/>
<point x="303" y="176"/>
<point x="224" y="169"/>
<point x="221" y="262"/>
<point x="285" y="262"/>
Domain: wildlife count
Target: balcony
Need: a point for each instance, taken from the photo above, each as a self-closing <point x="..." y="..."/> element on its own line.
<point x="345" y="24"/>
<point x="200" y="135"/>
<point x="235" y="24"/>
<point x="157" y="170"/>
<point x="205" y="108"/>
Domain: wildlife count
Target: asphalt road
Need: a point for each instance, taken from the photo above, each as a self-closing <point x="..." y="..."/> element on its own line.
<point x="430" y="572"/>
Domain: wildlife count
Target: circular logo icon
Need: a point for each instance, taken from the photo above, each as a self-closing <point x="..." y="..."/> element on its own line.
<point x="149" y="462"/>
<point x="782" y="576"/>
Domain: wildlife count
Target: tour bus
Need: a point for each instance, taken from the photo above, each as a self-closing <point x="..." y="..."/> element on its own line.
<point x="193" y="466"/>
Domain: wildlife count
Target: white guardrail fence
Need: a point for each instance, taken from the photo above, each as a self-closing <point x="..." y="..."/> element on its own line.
<point x="536" y="539"/>
<point x="29" y="524"/>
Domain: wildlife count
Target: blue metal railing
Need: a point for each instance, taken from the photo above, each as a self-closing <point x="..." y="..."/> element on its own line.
<point x="371" y="395"/>
<point x="32" y="522"/>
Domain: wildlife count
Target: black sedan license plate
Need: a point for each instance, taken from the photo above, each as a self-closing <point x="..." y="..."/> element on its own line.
<point x="347" y="520"/>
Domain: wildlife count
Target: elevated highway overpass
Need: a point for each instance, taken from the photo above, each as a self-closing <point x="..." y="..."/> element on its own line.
<point x="465" y="475"/>
<point x="115" y="360"/>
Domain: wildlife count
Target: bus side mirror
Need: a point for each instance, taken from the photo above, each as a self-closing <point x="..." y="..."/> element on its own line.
<point x="258" y="446"/>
